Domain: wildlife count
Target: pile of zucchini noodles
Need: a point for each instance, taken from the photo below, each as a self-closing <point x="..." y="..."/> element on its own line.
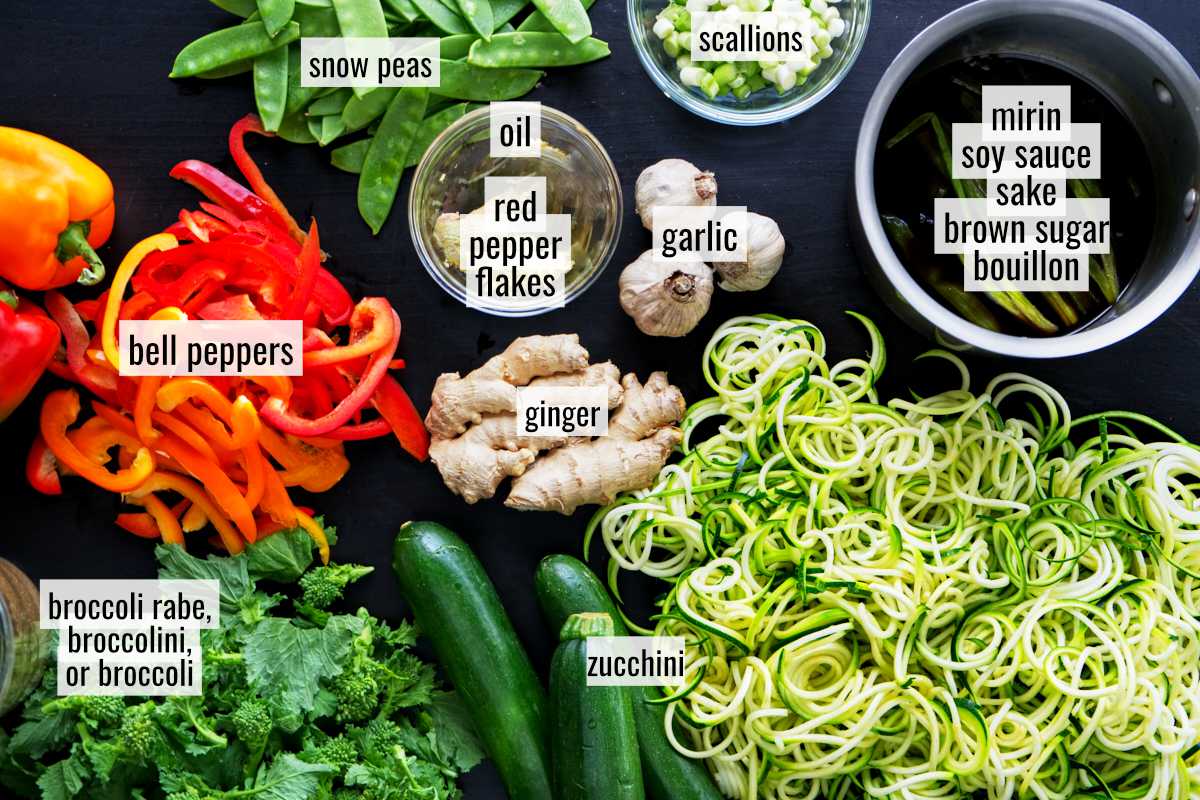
<point x="920" y="598"/>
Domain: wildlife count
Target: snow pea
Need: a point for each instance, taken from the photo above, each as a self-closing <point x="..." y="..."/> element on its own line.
<point x="294" y="129"/>
<point x="276" y="13"/>
<point x="298" y="96"/>
<point x="505" y="10"/>
<point x="350" y="157"/>
<point x="384" y="164"/>
<point x="465" y="82"/>
<point x="228" y="46"/>
<point x="332" y="103"/>
<point x="242" y="8"/>
<point x="229" y="70"/>
<point x="331" y="128"/>
<point x="557" y="14"/>
<point x="270" y="86"/>
<point x="362" y="111"/>
<point x="457" y="46"/>
<point x="535" y="49"/>
<point x="361" y="18"/>
<point x="319" y="21"/>
<point x="442" y="16"/>
<point x="478" y="14"/>
<point x="432" y="126"/>
<point x="404" y="8"/>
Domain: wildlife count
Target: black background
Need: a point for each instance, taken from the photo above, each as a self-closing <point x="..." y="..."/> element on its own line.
<point x="94" y="76"/>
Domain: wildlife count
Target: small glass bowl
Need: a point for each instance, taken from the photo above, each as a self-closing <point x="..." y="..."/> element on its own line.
<point x="580" y="180"/>
<point x="23" y="644"/>
<point x="766" y="105"/>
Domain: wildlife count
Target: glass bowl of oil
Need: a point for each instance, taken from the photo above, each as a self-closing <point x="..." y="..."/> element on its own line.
<point x="581" y="181"/>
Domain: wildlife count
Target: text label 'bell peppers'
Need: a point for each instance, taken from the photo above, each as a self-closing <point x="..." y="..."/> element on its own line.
<point x="56" y="206"/>
<point x="28" y="341"/>
<point x="225" y="448"/>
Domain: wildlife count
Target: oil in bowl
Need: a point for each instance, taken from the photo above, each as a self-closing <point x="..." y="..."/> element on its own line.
<point x="450" y="182"/>
<point x="913" y="167"/>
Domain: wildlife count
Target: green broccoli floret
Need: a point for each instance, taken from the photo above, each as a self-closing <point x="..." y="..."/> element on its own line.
<point x="323" y="586"/>
<point x="338" y="752"/>
<point x="357" y="693"/>
<point x="139" y="732"/>
<point x="251" y="722"/>
<point x="97" y="710"/>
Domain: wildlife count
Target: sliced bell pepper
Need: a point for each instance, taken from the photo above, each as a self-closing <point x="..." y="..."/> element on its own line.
<point x="59" y="412"/>
<point x="108" y="329"/>
<point x="395" y="406"/>
<point x="41" y="468"/>
<point x="237" y="147"/>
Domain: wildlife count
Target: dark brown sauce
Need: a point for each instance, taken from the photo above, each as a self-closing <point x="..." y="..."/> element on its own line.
<point x="909" y="176"/>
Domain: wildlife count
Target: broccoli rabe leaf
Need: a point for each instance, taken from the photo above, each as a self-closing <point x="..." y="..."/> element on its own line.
<point x="63" y="779"/>
<point x="281" y="557"/>
<point x="175" y="562"/>
<point x="288" y="778"/>
<point x="286" y="664"/>
<point x="454" y="733"/>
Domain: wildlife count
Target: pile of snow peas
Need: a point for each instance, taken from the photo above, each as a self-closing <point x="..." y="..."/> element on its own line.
<point x="490" y="50"/>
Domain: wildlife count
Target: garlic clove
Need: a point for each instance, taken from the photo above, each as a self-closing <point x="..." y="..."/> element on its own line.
<point x="672" y="182"/>
<point x="764" y="255"/>
<point x="665" y="299"/>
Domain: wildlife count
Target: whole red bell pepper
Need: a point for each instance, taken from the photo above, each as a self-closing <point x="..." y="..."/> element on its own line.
<point x="28" y="341"/>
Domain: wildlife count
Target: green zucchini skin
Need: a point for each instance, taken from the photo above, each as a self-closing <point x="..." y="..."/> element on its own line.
<point x="456" y="607"/>
<point x="566" y="586"/>
<point x="594" y="753"/>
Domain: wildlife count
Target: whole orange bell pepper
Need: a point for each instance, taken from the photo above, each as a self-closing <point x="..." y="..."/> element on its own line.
<point x="56" y="207"/>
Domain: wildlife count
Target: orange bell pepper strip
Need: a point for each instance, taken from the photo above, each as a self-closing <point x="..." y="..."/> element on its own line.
<point x="275" y="500"/>
<point x="187" y="433"/>
<point x="112" y="306"/>
<point x="141" y="525"/>
<point x="218" y="484"/>
<point x="193" y="519"/>
<point x="56" y="207"/>
<point x="143" y="408"/>
<point x="59" y="412"/>
<point x="314" y="530"/>
<point x="164" y="520"/>
<point x="169" y="481"/>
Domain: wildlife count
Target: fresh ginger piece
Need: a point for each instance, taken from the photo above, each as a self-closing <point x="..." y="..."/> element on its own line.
<point x="591" y="472"/>
<point x="472" y="468"/>
<point x="646" y="407"/>
<point x="603" y="374"/>
<point x="462" y="400"/>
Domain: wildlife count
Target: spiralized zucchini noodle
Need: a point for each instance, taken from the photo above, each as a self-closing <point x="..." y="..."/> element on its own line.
<point x="920" y="598"/>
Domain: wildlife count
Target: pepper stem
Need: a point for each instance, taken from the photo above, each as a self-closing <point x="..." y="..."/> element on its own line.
<point x="9" y="299"/>
<point x="73" y="243"/>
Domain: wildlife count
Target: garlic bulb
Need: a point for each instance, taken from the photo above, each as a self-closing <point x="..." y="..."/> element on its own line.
<point x="764" y="254"/>
<point x="665" y="299"/>
<point x="673" y="182"/>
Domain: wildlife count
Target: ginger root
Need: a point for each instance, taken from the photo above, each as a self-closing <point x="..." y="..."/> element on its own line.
<point x="477" y="443"/>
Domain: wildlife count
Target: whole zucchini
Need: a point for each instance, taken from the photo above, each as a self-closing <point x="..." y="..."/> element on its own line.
<point x="457" y="608"/>
<point x="566" y="586"/>
<point x="594" y="746"/>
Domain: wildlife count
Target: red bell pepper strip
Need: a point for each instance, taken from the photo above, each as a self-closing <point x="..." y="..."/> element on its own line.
<point x="309" y="263"/>
<point x="276" y="411"/>
<point x="226" y="192"/>
<point x="394" y="404"/>
<point x="237" y="148"/>
<point x="41" y="468"/>
<point x="238" y="306"/>
<point x="28" y="341"/>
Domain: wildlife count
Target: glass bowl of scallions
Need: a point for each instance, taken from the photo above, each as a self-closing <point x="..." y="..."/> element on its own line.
<point x="748" y="92"/>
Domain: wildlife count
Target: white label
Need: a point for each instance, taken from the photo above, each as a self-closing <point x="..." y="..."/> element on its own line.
<point x="736" y="35"/>
<point x="370" y="62"/>
<point x="1025" y="234"/>
<point x="122" y="637"/>
<point x="211" y="347"/>
<point x="699" y="233"/>
<point x="516" y="130"/>
<point x="635" y="661"/>
<point x="562" y="410"/>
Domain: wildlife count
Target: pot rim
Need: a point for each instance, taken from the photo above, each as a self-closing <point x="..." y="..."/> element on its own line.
<point x="1183" y="81"/>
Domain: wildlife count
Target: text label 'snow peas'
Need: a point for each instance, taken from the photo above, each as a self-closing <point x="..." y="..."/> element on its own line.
<point x="361" y="19"/>
<point x="229" y="46"/>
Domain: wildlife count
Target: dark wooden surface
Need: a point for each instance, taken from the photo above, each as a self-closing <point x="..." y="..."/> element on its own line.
<point x="93" y="75"/>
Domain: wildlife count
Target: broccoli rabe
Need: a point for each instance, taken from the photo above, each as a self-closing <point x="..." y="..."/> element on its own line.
<point x="298" y="702"/>
<point x="324" y="586"/>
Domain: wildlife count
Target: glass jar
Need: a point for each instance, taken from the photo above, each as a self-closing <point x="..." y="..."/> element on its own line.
<point x="23" y="644"/>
